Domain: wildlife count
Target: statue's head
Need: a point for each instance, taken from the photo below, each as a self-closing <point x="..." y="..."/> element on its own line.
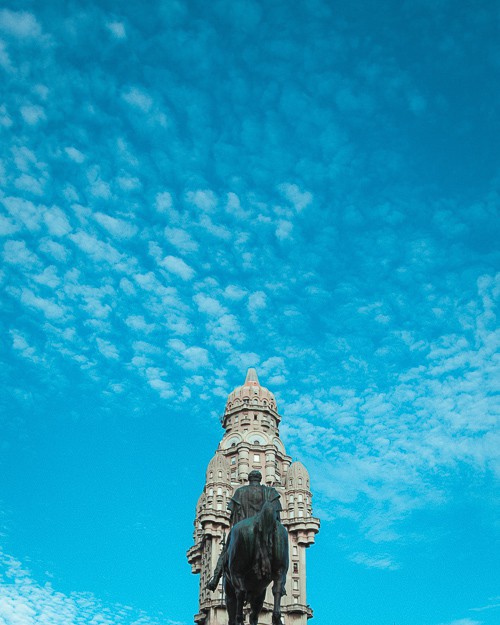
<point x="255" y="477"/>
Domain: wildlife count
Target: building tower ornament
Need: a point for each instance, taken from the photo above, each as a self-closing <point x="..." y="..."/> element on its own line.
<point x="251" y="441"/>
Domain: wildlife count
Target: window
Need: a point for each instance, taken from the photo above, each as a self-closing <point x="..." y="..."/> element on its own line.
<point x="290" y="498"/>
<point x="300" y="481"/>
<point x="256" y="442"/>
<point x="300" y="498"/>
<point x="219" y="506"/>
<point x="219" y="491"/>
<point x="211" y="492"/>
<point x="233" y="460"/>
<point x="301" y="513"/>
<point x="256" y="457"/>
<point x="295" y="550"/>
<point x="295" y="567"/>
<point x="220" y="474"/>
<point x="295" y="584"/>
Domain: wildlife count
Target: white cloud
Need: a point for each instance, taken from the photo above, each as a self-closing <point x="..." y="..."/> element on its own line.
<point x="24" y="601"/>
<point x="137" y="322"/>
<point x="24" y="211"/>
<point x="107" y="349"/>
<point x="17" y="253"/>
<point x="54" y="249"/>
<point x="180" y="239"/>
<point x="234" y="292"/>
<point x="190" y="357"/>
<point x="206" y="199"/>
<point x="50" y="309"/>
<point x="375" y="562"/>
<point x="7" y="226"/>
<point x="155" y="377"/>
<point x="21" y="345"/>
<point x="299" y="199"/>
<point x="96" y="249"/>
<point x="221" y="232"/>
<point x="163" y="202"/>
<point x="284" y="229"/>
<point x="117" y="29"/>
<point x="463" y="621"/>
<point x="56" y="221"/>
<point x="178" y="267"/>
<point x="138" y="98"/>
<point x="256" y="302"/>
<point x="19" y="23"/>
<point x="118" y="228"/>
<point x="208" y="305"/>
<point x="32" y="113"/>
<point x="75" y="155"/>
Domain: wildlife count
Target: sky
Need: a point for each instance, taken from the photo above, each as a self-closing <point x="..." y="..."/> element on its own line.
<point x="191" y="188"/>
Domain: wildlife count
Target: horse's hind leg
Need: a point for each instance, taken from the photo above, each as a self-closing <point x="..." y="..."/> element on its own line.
<point x="255" y="607"/>
<point x="278" y="592"/>
<point x="230" y="603"/>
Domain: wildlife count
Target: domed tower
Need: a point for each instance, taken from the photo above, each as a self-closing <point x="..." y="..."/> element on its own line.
<point x="251" y="441"/>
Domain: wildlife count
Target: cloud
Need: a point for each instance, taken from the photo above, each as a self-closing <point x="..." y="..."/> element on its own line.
<point x="463" y="621"/>
<point x="117" y="29"/>
<point x="190" y="357"/>
<point x="17" y="253"/>
<point x="206" y="200"/>
<point x="20" y="24"/>
<point x="96" y="249"/>
<point x="208" y="305"/>
<point x="118" y="228"/>
<point x="56" y="221"/>
<point x="75" y="155"/>
<point x="180" y="239"/>
<point x="107" y="349"/>
<point x="284" y="229"/>
<point x="178" y="267"/>
<point x="32" y="114"/>
<point x="256" y="302"/>
<point x="138" y="98"/>
<point x="24" y="601"/>
<point x="374" y="562"/>
<point x="137" y="322"/>
<point x="50" y="308"/>
<point x="299" y="199"/>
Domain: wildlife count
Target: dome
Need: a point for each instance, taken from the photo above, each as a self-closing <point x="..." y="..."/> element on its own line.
<point x="297" y="477"/>
<point x="251" y="394"/>
<point x="218" y="469"/>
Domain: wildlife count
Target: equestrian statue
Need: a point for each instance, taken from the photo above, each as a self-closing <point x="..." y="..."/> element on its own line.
<point x="255" y="553"/>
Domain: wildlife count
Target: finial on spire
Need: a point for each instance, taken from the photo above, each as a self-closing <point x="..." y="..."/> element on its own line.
<point x="252" y="377"/>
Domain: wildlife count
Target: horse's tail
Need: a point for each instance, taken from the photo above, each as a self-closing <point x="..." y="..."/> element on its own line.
<point x="265" y="524"/>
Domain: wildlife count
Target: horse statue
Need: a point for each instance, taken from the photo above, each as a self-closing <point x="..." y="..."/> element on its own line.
<point x="257" y="554"/>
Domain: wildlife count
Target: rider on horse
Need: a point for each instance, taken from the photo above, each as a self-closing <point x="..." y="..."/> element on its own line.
<point x="246" y="502"/>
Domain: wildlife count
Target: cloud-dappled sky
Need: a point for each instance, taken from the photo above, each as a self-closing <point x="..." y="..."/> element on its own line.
<point x="190" y="188"/>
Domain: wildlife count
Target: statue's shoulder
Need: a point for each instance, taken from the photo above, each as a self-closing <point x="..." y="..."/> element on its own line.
<point x="271" y="493"/>
<point x="238" y="493"/>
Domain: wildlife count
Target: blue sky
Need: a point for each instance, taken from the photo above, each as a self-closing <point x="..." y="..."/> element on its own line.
<point x="192" y="188"/>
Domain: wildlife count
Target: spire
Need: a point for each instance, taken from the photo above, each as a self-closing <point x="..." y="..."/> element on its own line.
<point x="252" y="378"/>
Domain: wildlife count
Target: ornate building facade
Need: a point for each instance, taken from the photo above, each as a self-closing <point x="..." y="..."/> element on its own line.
<point x="251" y="441"/>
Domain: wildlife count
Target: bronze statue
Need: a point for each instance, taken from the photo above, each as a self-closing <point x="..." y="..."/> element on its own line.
<point x="256" y="552"/>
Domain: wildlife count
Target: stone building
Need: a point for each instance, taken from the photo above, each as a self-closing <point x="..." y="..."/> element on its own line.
<point x="251" y="441"/>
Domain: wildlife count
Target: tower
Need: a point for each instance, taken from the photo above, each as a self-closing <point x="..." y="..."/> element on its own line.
<point x="251" y="441"/>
